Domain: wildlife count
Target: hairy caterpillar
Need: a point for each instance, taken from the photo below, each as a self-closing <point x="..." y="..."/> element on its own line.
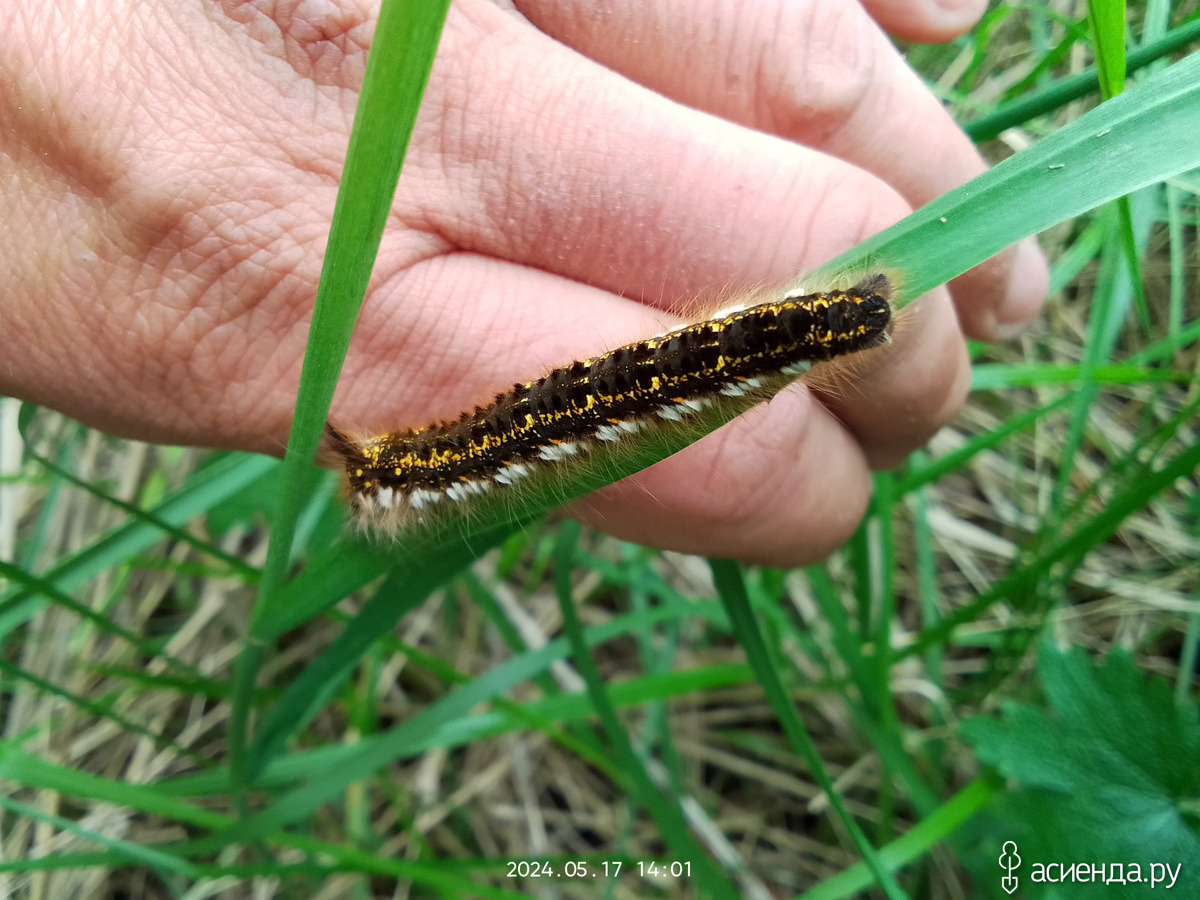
<point x="393" y="478"/>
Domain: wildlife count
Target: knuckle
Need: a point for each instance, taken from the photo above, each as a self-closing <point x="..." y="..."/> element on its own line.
<point x="818" y="73"/>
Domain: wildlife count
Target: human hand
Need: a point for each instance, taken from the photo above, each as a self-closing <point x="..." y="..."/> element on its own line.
<point x="577" y="168"/>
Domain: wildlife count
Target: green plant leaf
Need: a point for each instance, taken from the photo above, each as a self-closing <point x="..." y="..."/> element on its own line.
<point x="1059" y="92"/>
<point x="1108" y="772"/>
<point x="1107" y="21"/>
<point x="403" y="46"/>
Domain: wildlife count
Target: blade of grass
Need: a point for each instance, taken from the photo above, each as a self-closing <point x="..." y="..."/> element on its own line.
<point x="27" y="769"/>
<point x="853" y="651"/>
<point x="881" y="551"/>
<point x="666" y="814"/>
<point x="930" y="472"/>
<point x="914" y="843"/>
<point x="1143" y="136"/>
<point x="102" y="709"/>
<point x="1060" y="93"/>
<point x="305" y="696"/>
<point x="506" y="718"/>
<point x="170" y="530"/>
<point x="728" y="579"/>
<point x="224" y="476"/>
<point x="1000" y="377"/>
<point x="357" y="761"/>
<point x="131" y="852"/>
<point x="398" y="65"/>
<point x="40" y="586"/>
<point x="1138" y="492"/>
<point x="1106" y="19"/>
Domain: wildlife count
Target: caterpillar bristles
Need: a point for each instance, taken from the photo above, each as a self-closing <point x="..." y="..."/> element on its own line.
<point x="532" y="435"/>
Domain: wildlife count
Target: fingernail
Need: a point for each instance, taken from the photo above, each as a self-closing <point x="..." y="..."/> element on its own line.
<point x="1027" y="283"/>
<point x="965" y="11"/>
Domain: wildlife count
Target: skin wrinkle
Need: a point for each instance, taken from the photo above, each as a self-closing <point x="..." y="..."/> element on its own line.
<point x="573" y="152"/>
<point x="407" y="337"/>
<point x="465" y="127"/>
<point x="511" y="353"/>
<point x="324" y="42"/>
<point x="628" y="24"/>
<point x="521" y="188"/>
<point x="878" y="208"/>
<point x="24" y="111"/>
<point x="785" y="38"/>
<point x="179" y="341"/>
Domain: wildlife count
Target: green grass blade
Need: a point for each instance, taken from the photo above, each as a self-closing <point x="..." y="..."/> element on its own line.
<point x="1106" y="18"/>
<point x="406" y="587"/>
<point x="24" y="768"/>
<point x="167" y="529"/>
<point x="356" y="762"/>
<point x="403" y="47"/>
<point x="100" y="708"/>
<point x="1138" y="492"/>
<point x="128" y="850"/>
<point x="665" y="812"/>
<point x="914" y="843"/>
<point x="1062" y="91"/>
<point x="225" y="476"/>
<point x="728" y="578"/>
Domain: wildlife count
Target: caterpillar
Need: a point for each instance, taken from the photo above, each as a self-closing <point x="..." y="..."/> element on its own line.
<point x="403" y="475"/>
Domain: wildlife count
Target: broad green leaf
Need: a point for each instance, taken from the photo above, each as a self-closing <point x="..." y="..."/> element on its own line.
<point x="1108" y="771"/>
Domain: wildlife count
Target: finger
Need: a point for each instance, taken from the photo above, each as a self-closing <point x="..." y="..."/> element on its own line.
<point x="447" y="334"/>
<point x="926" y="21"/>
<point x="818" y="73"/>
<point x="782" y="485"/>
<point x="999" y="297"/>
<point x="587" y="175"/>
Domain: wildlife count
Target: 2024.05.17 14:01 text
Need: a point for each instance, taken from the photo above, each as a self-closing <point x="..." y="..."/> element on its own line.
<point x="532" y="868"/>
